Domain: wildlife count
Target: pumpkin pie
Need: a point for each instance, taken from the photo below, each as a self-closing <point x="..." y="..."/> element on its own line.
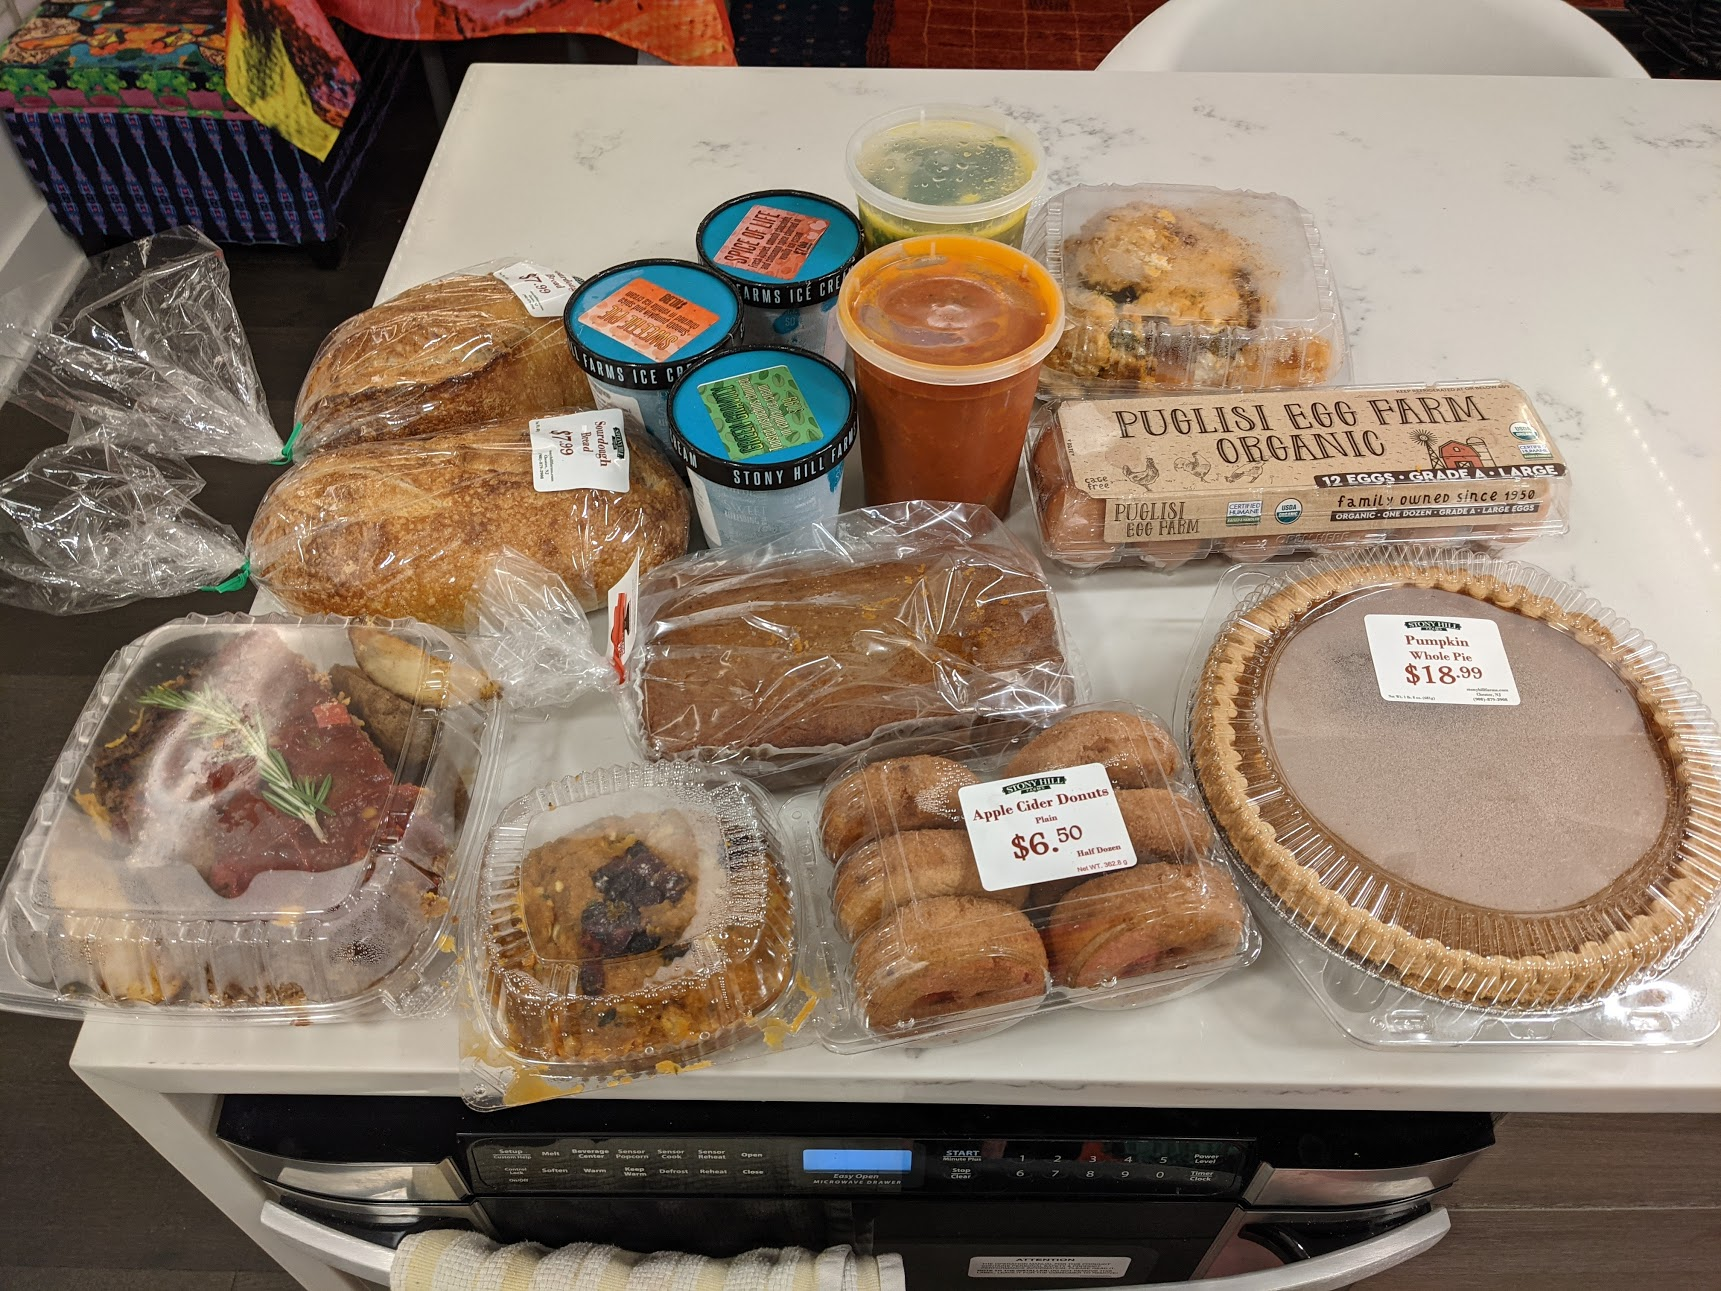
<point x="1519" y="857"/>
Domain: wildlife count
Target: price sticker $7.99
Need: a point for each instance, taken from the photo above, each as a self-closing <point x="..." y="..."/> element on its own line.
<point x="1050" y="825"/>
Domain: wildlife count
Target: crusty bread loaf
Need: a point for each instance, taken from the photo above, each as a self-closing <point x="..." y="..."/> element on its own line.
<point x="445" y="355"/>
<point x="815" y="652"/>
<point x="410" y="528"/>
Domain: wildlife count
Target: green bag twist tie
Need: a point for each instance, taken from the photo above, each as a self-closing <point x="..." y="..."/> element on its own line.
<point x="286" y="457"/>
<point x="234" y="583"/>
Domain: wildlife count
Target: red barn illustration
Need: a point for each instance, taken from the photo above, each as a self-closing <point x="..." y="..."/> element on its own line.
<point x="1455" y="456"/>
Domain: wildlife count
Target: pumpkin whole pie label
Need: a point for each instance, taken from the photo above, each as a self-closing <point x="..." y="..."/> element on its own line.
<point x="1419" y="659"/>
<point x="1059" y="824"/>
<point x="1228" y="464"/>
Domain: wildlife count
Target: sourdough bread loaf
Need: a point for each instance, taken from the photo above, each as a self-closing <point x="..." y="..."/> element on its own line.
<point x="410" y="528"/>
<point x="458" y="352"/>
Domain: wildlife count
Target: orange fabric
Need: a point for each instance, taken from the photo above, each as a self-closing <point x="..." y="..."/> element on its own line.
<point x="694" y="32"/>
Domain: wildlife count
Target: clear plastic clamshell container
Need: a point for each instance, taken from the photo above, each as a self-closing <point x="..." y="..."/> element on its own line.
<point x="1160" y="480"/>
<point x="632" y="921"/>
<point x="1179" y="287"/>
<point x="254" y="817"/>
<point x="1481" y="807"/>
<point x="1082" y="870"/>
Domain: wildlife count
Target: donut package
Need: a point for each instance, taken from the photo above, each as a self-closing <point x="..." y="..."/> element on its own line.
<point x="781" y="660"/>
<point x="1161" y="479"/>
<point x="1179" y="287"/>
<point x="955" y="894"/>
<point x="627" y="922"/>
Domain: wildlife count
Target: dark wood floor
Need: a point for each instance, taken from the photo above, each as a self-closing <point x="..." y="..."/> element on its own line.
<point x="84" y="1203"/>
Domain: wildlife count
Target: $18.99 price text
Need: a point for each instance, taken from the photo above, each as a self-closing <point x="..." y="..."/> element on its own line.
<point x="1444" y="675"/>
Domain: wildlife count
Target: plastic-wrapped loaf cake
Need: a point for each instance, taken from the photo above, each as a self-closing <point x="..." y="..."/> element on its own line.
<point x="783" y="658"/>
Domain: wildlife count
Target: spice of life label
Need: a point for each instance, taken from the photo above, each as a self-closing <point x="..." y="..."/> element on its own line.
<point x="1050" y="825"/>
<point x="544" y="292"/>
<point x="760" y="412"/>
<point x="772" y="242"/>
<point x="1187" y="467"/>
<point x="648" y="319"/>
<point x="1422" y="660"/>
<point x="579" y="450"/>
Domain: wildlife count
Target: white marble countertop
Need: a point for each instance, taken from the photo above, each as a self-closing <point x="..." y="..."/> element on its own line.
<point x="1561" y="234"/>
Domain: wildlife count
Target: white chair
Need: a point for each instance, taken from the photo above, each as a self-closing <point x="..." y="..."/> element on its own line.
<point x="1478" y="37"/>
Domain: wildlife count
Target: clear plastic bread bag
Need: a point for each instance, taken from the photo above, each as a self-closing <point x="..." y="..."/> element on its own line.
<point x="629" y="922"/>
<point x="89" y="526"/>
<point x="782" y="659"/>
<point x="480" y="345"/>
<point x="148" y="350"/>
<point x="1162" y="479"/>
<point x="255" y="818"/>
<point x="412" y="527"/>
<point x="1182" y="287"/>
<point x="956" y="892"/>
<point x="1477" y="806"/>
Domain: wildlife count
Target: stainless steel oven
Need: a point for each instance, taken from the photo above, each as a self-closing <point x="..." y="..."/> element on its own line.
<point x="1020" y="1197"/>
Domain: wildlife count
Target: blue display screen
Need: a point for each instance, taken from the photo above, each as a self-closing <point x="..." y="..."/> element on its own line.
<point x="898" y="1160"/>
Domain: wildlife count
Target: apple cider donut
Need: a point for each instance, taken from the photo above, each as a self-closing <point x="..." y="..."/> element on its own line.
<point x="947" y="955"/>
<point x="877" y="878"/>
<point x="1136" y="751"/>
<point x="889" y="796"/>
<point x="1150" y="918"/>
<point x="1162" y="825"/>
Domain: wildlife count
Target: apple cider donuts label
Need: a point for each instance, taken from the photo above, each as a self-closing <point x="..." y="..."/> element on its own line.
<point x="1059" y="824"/>
<point x="1453" y="458"/>
<point x="1419" y="660"/>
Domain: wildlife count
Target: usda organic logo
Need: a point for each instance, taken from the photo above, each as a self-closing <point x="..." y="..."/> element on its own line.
<point x="1288" y="511"/>
<point x="1524" y="430"/>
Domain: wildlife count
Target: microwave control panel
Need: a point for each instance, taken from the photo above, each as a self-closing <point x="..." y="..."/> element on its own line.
<point x="785" y="1166"/>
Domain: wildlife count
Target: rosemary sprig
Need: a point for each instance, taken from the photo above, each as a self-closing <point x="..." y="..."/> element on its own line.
<point x="297" y="796"/>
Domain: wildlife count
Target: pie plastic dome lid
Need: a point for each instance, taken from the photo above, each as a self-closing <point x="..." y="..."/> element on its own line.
<point x="1527" y="856"/>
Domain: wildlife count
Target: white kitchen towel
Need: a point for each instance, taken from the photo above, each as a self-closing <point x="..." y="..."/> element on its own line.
<point x="447" y="1260"/>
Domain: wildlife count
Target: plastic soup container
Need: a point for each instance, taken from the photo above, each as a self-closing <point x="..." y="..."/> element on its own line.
<point x="785" y="253"/>
<point x="945" y="168"/>
<point x="948" y="334"/>
<point x="637" y="327"/>
<point x="763" y="433"/>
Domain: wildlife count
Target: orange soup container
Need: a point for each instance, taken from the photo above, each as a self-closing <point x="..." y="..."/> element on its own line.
<point x="947" y="334"/>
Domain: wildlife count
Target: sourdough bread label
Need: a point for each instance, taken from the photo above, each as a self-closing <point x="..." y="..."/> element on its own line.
<point x="1421" y="660"/>
<point x="1050" y="825"/>
<point x="544" y="292"/>
<point x="1445" y="458"/>
<point x="579" y="450"/>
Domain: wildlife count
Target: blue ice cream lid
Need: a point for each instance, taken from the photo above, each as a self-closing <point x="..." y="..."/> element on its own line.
<point x="782" y="247"/>
<point x="765" y="417"/>
<point x="641" y="324"/>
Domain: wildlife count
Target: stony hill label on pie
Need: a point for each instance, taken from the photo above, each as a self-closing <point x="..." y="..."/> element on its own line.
<point x="1224" y="465"/>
